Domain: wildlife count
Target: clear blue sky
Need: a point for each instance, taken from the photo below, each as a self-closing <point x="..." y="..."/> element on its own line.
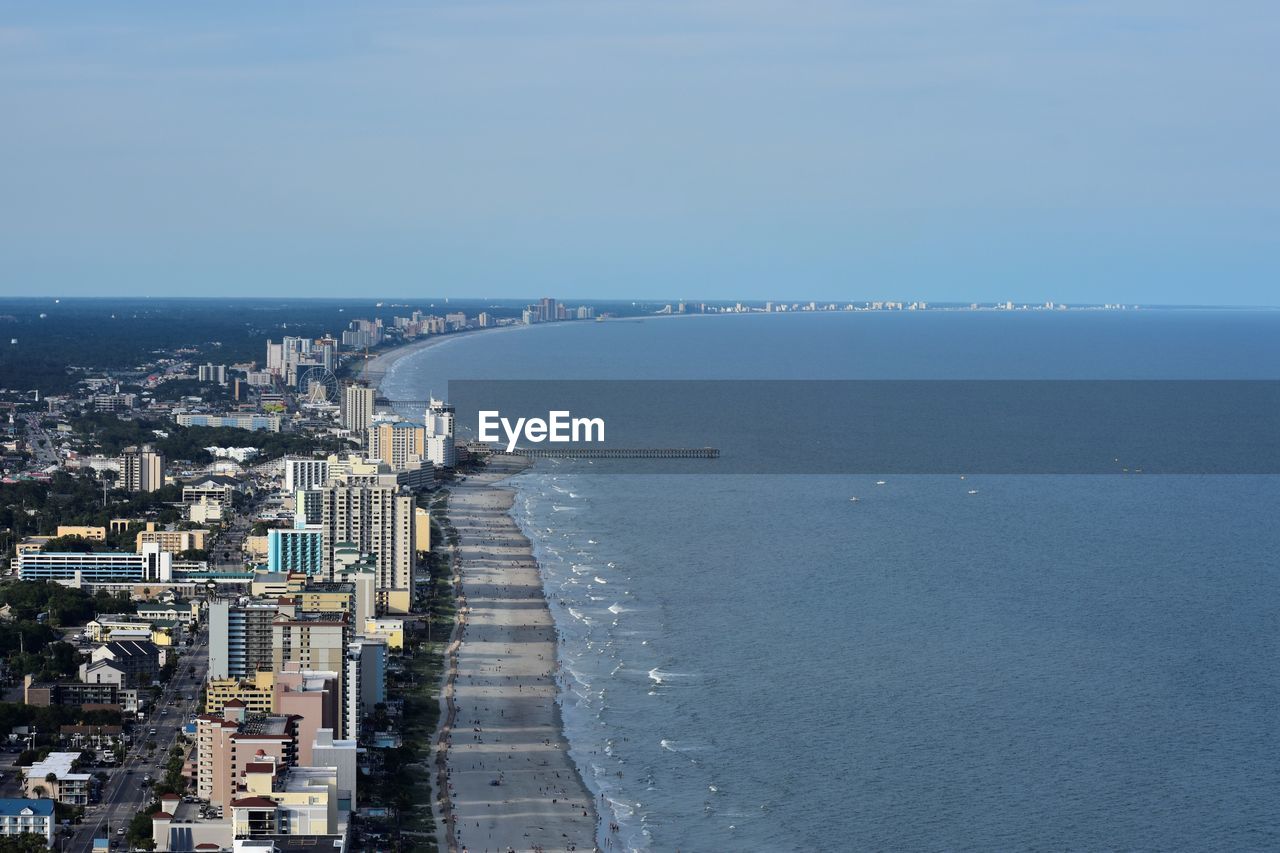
<point x="1077" y="150"/>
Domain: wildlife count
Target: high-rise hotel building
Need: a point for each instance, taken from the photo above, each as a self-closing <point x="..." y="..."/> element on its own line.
<point x="142" y="469"/>
<point x="438" y="425"/>
<point x="357" y="408"/>
<point x="376" y="520"/>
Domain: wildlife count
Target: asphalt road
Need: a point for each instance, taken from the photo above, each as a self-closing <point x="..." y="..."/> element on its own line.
<point x="41" y="443"/>
<point x="124" y="794"/>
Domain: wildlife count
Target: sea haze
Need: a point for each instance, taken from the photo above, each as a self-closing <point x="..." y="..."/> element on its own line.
<point x="758" y="662"/>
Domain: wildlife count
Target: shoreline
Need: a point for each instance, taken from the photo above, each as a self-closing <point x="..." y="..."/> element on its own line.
<point x="501" y="693"/>
<point x="548" y="805"/>
<point x="376" y="369"/>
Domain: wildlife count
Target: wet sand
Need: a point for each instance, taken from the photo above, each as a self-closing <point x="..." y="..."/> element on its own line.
<point x="503" y="721"/>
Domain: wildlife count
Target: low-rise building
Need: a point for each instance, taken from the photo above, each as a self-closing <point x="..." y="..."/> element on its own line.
<point x="173" y="541"/>
<point x="57" y="778"/>
<point x="391" y="631"/>
<point x="139" y="660"/>
<point x="94" y="534"/>
<point x="22" y="816"/>
<point x="77" y="694"/>
<point x="249" y="421"/>
<point x="75" y="569"/>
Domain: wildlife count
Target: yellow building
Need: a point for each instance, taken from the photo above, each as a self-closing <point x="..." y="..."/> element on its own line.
<point x="326" y="598"/>
<point x="165" y="633"/>
<point x="97" y="534"/>
<point x="391" y="630"/>
<point x="421" y="530"/>
<point x="256" y="695"/>
<point x="173" y="541"/>
<point x="255" y="548"/>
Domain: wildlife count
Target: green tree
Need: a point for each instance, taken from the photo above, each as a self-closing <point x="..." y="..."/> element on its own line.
<point x="27" y="842"/>
<point x="139" y="832"/>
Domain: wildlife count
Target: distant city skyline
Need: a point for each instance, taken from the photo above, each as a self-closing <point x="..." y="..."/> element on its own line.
<point x="1089" y="152"/>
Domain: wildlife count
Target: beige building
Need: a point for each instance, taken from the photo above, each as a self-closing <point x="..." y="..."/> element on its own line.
<point x="311" y="640"/>
<point x="280" y="800"/>
<point x="173" y="541"/>
<point x="421" y="530"/>
<point x="204" y="512"/>
<point x="97" y="534"/>
<point x="57" y="778"/>
<point x="375" y="520"/>
<point x="400" y="444"/>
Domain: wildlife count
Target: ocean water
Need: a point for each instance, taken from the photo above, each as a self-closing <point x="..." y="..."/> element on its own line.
<point x="1000" y="662"/>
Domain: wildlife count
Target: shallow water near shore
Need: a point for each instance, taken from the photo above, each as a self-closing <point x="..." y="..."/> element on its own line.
<point x="759" y="663"/>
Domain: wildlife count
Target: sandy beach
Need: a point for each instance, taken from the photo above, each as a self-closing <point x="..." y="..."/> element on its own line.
<point x="376" y="369"/>
<point x="511" y="782"/>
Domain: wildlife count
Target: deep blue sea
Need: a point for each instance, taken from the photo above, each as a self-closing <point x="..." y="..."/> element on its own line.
<point x="995" y="663"/>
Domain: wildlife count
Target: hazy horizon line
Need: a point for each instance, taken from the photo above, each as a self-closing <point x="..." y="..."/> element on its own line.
<point x="960" y="303"/>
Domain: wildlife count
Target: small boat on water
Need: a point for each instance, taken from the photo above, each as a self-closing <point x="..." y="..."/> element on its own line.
<point x="973" y="491"/>
<point x="879" y="482"/>
<point x="854" y="500"/>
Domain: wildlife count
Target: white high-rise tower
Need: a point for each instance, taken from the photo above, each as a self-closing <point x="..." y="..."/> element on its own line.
<point x="439" y="423"/>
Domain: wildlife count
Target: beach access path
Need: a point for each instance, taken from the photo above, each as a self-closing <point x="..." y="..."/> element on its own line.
<point x="506" y="724"/>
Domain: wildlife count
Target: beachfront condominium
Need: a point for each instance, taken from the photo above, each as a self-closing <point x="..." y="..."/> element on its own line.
<point x="400" y="444"/>
<point x="312" y="640"/>
<point x="378" y="521"/>
<point x="357" y="408"/>
<point x="365" y="682"/>
<point x="438" y="427"/>
<point x="141" y="469"/>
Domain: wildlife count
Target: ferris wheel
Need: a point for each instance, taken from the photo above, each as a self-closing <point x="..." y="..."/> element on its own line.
<point x="318" y="385"/>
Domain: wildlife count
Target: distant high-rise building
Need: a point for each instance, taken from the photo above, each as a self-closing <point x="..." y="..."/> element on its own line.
<point x="547" y="309"/>
<point x="483" y="320"/>
<point x="357" y="407"/>
<point x="439" y="424"/>
<point x="213" y="373"/>
<point x="142" y="469"/>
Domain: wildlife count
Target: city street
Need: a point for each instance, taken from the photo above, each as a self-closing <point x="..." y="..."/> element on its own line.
<point x="124" y="795"/>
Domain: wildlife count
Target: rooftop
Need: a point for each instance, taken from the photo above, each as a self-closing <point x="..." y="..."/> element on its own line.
<point x="10" y="806"/>
<point x="270" y="724"/>
<point x="57" y="763"/>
